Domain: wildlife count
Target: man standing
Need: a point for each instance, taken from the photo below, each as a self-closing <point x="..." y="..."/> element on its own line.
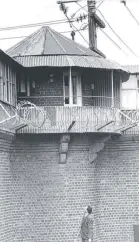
<point x="87" y="226"/>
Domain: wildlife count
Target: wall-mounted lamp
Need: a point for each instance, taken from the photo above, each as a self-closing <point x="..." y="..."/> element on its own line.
<point x="51" y="78"/>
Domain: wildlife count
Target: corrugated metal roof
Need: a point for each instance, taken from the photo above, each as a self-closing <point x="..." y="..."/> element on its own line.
<point x="133" y="69"/>
<point x="2" y="53"/>
<point x="68" y="61"/>
<point x="47" y="41"/>
<point x="46" y="47"/>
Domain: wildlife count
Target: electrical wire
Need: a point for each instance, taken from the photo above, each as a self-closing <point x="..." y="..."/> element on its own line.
<point x="71" y="24"/>
<point x="112" y="28"/>
<point x="113" y="41"/>
<point x="20" y="37"/>
<point x="100" y="4"/>
<point x="81" y="7"/>
<point x="65" y="32"/>
<point x="131" y="14"/>
<point x="77" y="30"/>
<point x="13" y="37"/>
<point x="37" y="24"/>
<point x="117" y="34"/>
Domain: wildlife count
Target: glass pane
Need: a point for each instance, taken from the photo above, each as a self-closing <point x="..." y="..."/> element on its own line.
<point x="1" y="88"/>
<point x="13" y="94"/>
<point x="5" y="90"/>
<point x="22" y="86"/>
<point x="66" y="87"/>
<point x="7" y="72"/>
<point x="8" y="92"/>
<point x="74" y="86"/>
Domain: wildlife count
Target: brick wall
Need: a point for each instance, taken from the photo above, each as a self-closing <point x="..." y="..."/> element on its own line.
<point x="48" y="93"/>
<point x="6" y="191"/>
<point x="44" y="88"/>
<point x="117" y="190"/>
<point x="42" y="200"/>
<point x="49" y="198"/>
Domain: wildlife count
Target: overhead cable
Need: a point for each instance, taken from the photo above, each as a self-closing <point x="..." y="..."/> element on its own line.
<point x="36" y="24"/>
<point x="24" y="36"/>
<point x="73" y="27"/>
<point x="117" y="34"/>
<point x="77" y="30"/>
<point x="68" y="31"/>
<point x="81" y="7"/>
<point x="100" y="4"/>
<point x="113" y="30"/>
<point x="131" y="14"/>
<point x="113" y="41"/>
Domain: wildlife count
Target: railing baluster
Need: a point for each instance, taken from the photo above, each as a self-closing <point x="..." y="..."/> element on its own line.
<point x="86" y="118"/>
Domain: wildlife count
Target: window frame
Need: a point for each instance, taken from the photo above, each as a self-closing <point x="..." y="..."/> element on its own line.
<point x="27" y="86"/>
<point x="79" y="89"/>
<point x="7" y="84"/>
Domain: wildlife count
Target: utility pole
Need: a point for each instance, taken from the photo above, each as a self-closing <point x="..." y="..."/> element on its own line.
<point x="92" y="24"/>
<point x="94" y="21"/>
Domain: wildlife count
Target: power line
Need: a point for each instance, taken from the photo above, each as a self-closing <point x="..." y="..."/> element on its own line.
<point x="37" y="24"/>
<point x="13" y="37"/>
<point x="64" y="10"/>
<point x="100" y="4"/>
<point x="20" y="37"/>
<point x="86" y="6"/>
<point x="131" y="14"/>
<point x="61" y="21"/>
<point x="111" y="28"/>
<point x="64" y="32"/>
<point x="24" y="36"/>
<point x="80" y="34"/>
<point x="81" y="7"/>
<point x="113" y="42"/>
<point x="72" y="26"/>
<point x="117" y="34"/>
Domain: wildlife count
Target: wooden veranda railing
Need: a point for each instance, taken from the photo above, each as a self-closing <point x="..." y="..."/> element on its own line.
<point x="87" y="119"/>
<point x="74" y="119"/>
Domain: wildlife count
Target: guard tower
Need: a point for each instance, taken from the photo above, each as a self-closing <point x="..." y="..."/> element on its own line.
<point x="78" y="90"/>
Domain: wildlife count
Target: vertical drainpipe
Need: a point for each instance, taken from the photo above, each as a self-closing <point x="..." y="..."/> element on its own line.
<point x="70" y="87"/>
<point x="112" y="85"/>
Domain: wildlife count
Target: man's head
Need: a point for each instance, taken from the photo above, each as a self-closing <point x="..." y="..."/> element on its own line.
<point x="89" y="209"/>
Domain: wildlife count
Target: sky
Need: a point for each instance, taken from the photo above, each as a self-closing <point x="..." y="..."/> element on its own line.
<point x="17" y="12"/>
